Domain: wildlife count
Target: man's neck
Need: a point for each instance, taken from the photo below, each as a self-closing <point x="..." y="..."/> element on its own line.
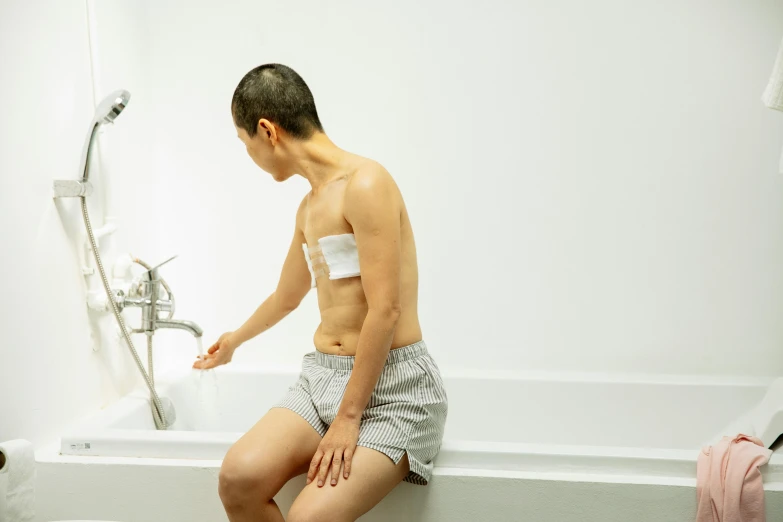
<point x="319" y="160"/>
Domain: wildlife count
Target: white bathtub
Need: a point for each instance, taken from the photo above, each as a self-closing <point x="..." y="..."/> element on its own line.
<point x="536" y="447"/>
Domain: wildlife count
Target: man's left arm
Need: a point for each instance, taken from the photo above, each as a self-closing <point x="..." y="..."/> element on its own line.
<point x="372" y="208"/>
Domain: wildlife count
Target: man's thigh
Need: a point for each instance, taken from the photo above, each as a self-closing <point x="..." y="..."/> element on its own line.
<point x="279" y="447"/>
<point x="373" y="476"/>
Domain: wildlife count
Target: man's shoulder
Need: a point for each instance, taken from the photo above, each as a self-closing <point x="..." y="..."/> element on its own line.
<point x="370" y="191"/>
<point x="370" y="176"/>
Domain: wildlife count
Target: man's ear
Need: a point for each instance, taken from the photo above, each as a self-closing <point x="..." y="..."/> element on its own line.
<point x="268" y="129"/>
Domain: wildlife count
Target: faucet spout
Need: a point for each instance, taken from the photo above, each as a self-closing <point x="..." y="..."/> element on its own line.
<point x="180" y="324"/>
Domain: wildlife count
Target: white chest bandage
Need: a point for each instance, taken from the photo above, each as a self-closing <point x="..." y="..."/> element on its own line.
<point x="335" y="256"/>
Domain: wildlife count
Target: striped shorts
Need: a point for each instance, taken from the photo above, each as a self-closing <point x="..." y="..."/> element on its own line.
<point x="406" y="413"/>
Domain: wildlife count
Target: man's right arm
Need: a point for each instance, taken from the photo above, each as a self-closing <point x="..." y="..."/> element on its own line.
<point x="295" y="282"/>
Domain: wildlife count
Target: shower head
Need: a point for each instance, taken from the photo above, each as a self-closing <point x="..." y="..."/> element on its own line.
<point x="111" y="107"/>
<point x="106" y="112"/>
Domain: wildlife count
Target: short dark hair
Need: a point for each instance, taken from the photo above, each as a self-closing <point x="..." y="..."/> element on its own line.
<point x="277" y="93"/>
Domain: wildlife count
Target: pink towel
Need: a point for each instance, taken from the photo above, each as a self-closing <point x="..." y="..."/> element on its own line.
<point x="728" y="481"/>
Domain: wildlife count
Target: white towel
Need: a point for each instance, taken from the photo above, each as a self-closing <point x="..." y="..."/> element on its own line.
<point x="773" y="94"/>
<point x="17" y="478"/>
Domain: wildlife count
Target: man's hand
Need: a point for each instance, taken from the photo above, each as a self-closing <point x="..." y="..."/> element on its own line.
<point x="219" y="353"/>
<point x="338" y="445"/>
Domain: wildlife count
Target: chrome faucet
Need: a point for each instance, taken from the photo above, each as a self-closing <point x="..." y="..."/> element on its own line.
<point x="147" y="296"/>
<point x="180" y="324"/>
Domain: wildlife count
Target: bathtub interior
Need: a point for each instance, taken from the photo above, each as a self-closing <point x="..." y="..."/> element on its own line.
<point x="665" y="413"/>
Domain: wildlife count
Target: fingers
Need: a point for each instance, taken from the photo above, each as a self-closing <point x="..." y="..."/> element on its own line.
<point x="199" y="362"/>
<point x="338" y="458"/>
<point x="205" y="362"/>
<point x="215" y="347"/>
<point x="348" y="461"/>
<point x="324" y="468"/>
<point x="314" y="465"/>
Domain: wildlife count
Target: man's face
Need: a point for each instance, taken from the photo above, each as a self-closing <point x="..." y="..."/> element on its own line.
<point x="263" y="150"/>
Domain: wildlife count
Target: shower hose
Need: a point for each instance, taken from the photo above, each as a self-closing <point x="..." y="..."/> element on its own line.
<point x="157" y="407"/>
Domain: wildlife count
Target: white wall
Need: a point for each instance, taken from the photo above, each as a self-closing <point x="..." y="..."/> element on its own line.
<point x="593" y="186"/>
<point x="49" y="373"/>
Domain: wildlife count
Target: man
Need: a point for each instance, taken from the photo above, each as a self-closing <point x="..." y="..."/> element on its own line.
<point x="369" y="407"/>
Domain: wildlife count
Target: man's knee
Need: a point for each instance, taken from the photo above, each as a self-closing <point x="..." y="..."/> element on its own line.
<point x="242" y="476"/>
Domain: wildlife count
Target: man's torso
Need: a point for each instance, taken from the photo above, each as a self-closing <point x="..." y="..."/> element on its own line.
<point x="342" y="302"/>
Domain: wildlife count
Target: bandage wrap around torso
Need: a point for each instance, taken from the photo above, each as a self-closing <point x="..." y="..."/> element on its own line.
<point x="335" y="256"/>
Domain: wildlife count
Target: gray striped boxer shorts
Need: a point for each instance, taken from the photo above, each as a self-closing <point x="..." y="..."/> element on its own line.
<point x="406" y="413"/>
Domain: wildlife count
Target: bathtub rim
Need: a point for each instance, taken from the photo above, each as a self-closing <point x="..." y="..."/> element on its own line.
<point x="486" y="456"/>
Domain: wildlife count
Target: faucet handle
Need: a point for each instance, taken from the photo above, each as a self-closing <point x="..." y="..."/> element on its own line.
<point x="154" y="270"/>
<point x="172" y="258"/>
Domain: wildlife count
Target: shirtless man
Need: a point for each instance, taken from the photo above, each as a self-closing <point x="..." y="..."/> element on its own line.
<point x="369" y="407"/>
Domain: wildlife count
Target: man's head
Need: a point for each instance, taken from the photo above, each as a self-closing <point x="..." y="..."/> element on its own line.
<point x="271" y="105"/>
